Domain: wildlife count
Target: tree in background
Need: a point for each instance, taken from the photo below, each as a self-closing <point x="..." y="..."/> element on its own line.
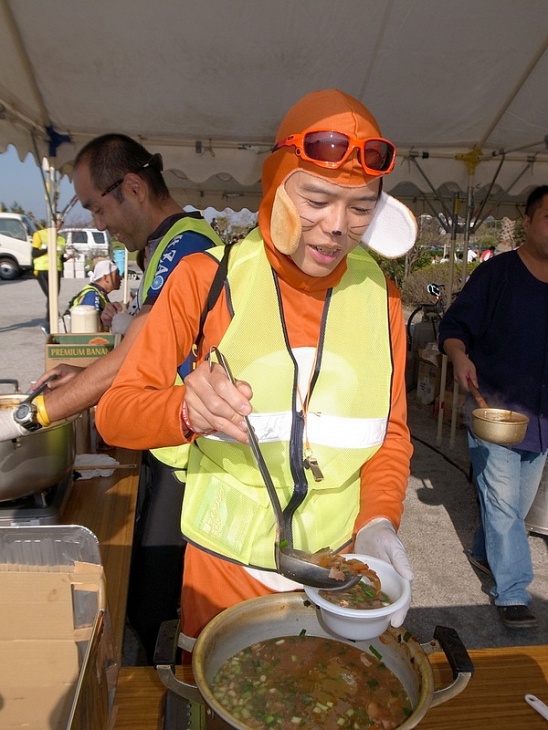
<point x="13" y="208"/>
<point x="431" y="242"/>
<point x="519" y="233"/>
<point x="16" y="208"/>
<point x="232" y="226"/>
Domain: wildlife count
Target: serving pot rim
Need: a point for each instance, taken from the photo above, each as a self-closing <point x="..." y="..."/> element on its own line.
<point x="505" y="432"/>
<point x="515" y="417"/>
<point x="290" y="611"/>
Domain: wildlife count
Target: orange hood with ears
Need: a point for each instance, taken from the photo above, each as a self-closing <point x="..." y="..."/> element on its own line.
<point x="328" y="110"/>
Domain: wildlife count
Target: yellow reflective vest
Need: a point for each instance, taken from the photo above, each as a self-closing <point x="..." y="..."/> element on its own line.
<point x="226" y="509"/>
<point x="40" y="242"/>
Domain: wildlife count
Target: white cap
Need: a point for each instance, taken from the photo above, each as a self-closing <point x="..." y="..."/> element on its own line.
<point x="103" y="268"/>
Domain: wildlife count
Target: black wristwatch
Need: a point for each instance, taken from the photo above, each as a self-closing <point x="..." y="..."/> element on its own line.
<point x="25" y="415"/>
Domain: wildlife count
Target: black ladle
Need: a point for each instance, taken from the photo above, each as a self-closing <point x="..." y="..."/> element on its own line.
<point x="35" y="393"/>
<point x="290" y="562"/>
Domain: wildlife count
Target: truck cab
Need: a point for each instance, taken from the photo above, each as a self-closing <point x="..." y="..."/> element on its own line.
<point x="16" y="231"/>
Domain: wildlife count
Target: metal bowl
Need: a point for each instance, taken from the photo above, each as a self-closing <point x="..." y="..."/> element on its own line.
<point x="499" y="426"/>
<point x="41" y="459"/>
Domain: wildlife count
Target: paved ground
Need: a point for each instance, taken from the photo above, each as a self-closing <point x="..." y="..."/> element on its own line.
<point x="438" y="525"/>
<point x="440" y="510"/>
<point x="22" y="314"/>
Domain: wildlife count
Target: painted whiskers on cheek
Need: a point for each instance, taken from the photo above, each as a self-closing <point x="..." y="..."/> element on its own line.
<point x="306" y="223"/>
<point x="355" y="236"/>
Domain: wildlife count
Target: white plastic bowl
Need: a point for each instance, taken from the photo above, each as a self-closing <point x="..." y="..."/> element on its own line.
<point x="356" y="623"/>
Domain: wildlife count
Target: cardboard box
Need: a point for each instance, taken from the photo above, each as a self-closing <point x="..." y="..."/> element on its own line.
<point x="429" y="378"/>
<point x="77" y="349"/>
<point x="55" y="639"/>
<point x="428" y="383"/>
<point x="448" y="408"/>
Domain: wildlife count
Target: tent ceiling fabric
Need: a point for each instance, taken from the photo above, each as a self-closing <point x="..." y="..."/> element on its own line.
<point x="442" y="78"/>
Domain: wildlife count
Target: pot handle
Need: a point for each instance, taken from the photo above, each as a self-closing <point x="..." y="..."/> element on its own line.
<point x="10" y="381"/>
<point x="164" y="658"/>
<point x="449" y="641"/>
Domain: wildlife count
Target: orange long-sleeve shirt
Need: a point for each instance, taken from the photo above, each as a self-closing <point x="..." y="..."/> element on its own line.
<point x="142" y="408"/>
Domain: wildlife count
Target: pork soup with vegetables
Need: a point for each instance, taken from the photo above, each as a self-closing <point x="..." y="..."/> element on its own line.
<point x="310" y="682"/>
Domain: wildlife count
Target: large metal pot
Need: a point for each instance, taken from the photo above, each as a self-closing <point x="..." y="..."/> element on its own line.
<point x="288" y="614"/>
<point x="37" y="461"/>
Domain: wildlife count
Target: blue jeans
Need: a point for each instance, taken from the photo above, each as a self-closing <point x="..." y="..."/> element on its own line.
<point x="507" y="480"/>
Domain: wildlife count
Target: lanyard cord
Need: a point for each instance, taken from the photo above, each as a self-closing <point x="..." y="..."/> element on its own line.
<point x="310" y="462"/>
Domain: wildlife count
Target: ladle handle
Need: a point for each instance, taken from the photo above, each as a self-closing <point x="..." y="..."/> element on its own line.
<point x="254" y="443"/>
<point x="480" y="400"/>
<point x="35" y="393"/>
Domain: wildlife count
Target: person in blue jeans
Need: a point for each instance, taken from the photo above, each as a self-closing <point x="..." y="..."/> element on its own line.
<point x="496" y="335"/>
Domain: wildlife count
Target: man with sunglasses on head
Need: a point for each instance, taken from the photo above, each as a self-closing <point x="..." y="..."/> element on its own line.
<point x="314" y="335"/>
<point x="121" y="184"/>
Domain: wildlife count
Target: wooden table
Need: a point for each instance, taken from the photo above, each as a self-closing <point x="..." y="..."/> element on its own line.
<point x="493" y="700"/>
<point x="106" y="506"/>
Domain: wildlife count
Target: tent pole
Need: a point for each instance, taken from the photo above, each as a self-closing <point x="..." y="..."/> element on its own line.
<point x="412" y="158"/>
<point x="471" y="160"/>
<point x="449" y="290"/>
<point x="53" y="274"/>
<point x="478" y="215"/>
<point x="477" y="220"/>
<point x="469" y="208"/>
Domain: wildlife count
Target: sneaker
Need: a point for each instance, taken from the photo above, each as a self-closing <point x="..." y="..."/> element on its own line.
<point x="480" y="564"/>
<point x="517" y="617"/>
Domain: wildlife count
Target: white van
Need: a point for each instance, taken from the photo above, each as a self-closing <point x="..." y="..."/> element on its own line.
<point x="16" y="232"/>
<point x="89" y="241"/>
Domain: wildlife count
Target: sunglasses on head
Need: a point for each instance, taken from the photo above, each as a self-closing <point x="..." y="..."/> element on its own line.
<point x="377" y="156"/>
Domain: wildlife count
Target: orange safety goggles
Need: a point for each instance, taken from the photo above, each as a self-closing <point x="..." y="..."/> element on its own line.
<point x="376" y="155"/>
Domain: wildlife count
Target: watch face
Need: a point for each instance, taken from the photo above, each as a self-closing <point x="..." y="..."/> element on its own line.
<point x="23" y="412"/>
<point x="24" y="416"/>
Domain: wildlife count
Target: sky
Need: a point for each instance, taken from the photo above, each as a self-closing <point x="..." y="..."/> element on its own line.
<point x="21" y="182"/>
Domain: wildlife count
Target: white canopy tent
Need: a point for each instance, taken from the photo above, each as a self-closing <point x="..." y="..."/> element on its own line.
<point x="458" y="86"/>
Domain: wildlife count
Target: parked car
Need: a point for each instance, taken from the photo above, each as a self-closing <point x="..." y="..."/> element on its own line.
<point x="16" y="232"/>
<point x="89" y="241"/>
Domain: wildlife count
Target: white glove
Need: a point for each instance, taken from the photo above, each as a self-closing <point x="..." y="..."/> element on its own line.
<point x="379" y="539"/>
<point x="120" y="323"/>
<point x="9" y="428"/>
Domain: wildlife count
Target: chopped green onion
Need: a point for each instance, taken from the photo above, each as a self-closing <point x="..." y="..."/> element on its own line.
<point x="375" y="652"/>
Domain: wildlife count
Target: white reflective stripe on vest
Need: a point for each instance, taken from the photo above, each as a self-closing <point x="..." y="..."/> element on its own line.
<point x="333" y="431"/>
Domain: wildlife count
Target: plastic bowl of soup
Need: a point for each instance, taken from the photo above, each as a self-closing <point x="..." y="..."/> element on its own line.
<point x="362" y="612"/>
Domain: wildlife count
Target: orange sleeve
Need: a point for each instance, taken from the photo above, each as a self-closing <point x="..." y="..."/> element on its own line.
<point x="384" y="477"/>
<point x="142" y="408"/>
